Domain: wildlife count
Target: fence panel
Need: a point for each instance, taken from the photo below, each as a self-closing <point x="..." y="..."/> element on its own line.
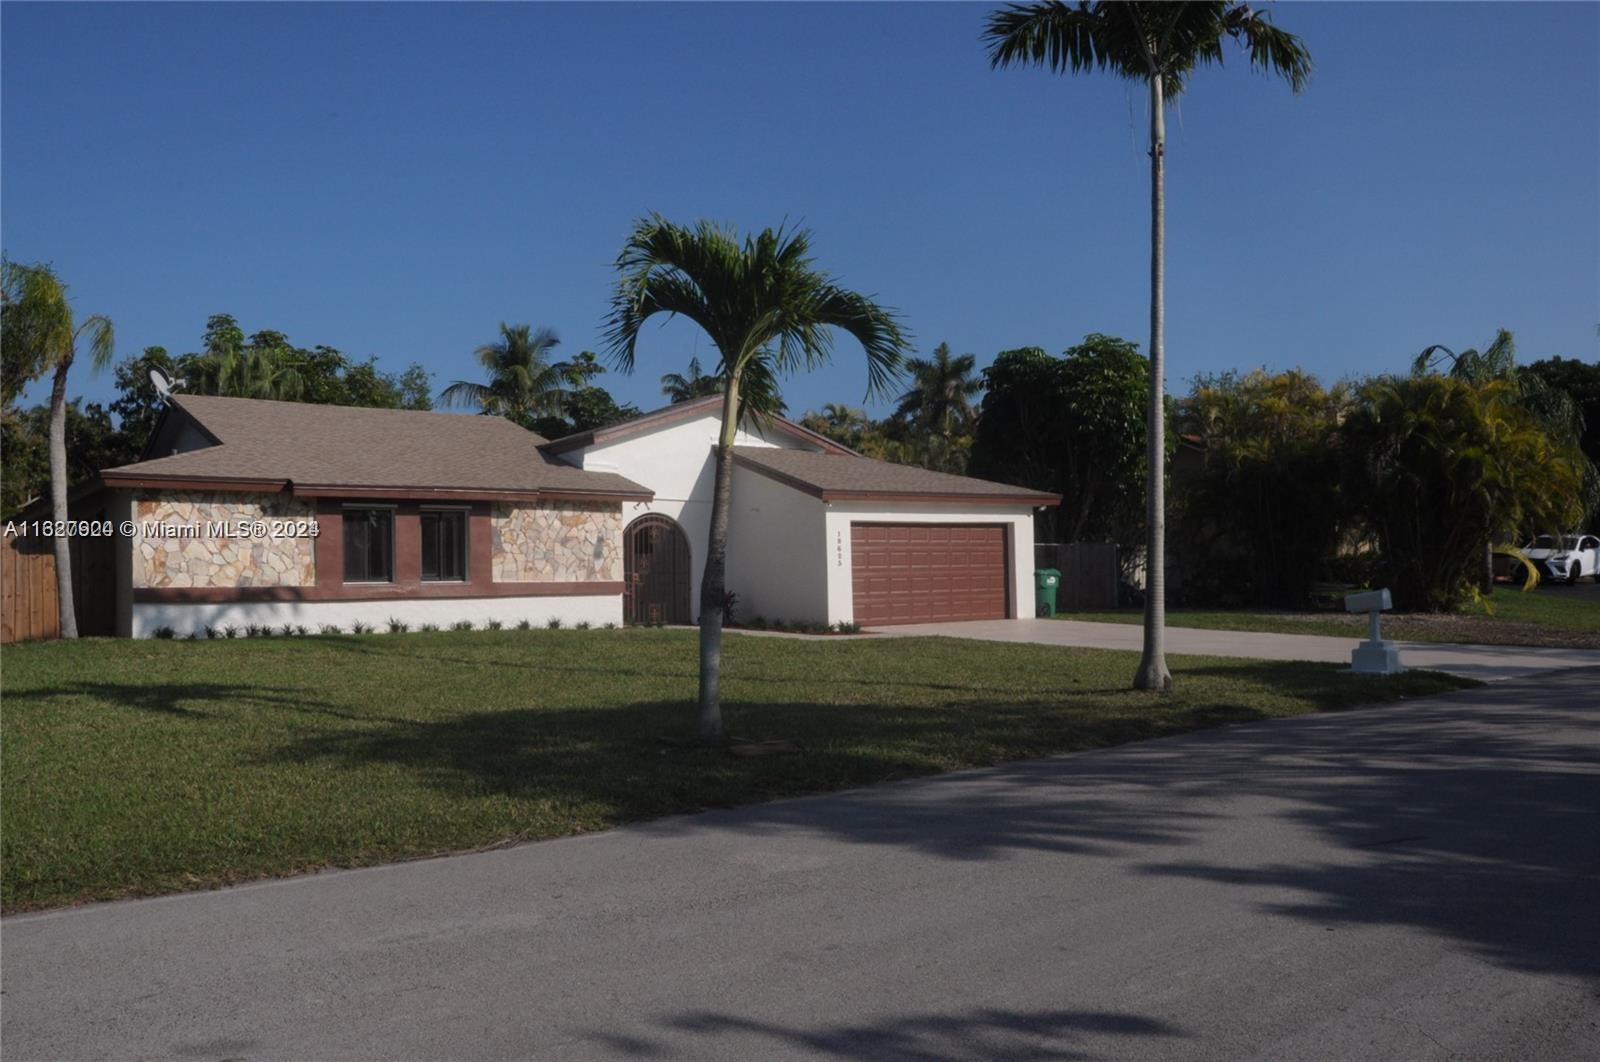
<point x="1088" y="573"/>
<point x="29" y="607"/>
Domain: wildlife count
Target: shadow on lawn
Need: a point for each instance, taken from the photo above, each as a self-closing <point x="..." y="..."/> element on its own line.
<point x="1470" y="818"/>
<point x="218" y="698"/>
<point x="986" y="1032"/>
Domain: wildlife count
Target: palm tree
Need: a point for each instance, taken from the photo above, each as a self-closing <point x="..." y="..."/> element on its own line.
<point x="680" y="388"/>
<point x="760" y="388"/>
<point x="1160" y="44"/>
<point x="41" y="333"/>
<point x="941" y="392"/>
<point x="768" y="310"/>
<point x="524" y="384"/>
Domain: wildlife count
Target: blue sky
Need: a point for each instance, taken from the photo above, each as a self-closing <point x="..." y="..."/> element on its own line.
<point x="397" y="179"/>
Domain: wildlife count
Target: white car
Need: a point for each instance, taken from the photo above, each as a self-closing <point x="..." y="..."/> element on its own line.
<point x="1568" y="558"/>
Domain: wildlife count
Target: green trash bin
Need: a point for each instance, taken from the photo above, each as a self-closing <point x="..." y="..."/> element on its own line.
<point x="1045" y="583"/>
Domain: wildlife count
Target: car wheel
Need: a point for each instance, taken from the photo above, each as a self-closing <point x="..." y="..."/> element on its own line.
<point x="1572" y="575"/>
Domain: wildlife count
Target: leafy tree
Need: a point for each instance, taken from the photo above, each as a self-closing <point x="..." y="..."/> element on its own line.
<point x="1581" y="382"/>
<point x="1438" y="465"/>
<point x="1261" y="517"/>
<point x="524" y="384"/>
<point x="48" y="335"/>
<point x="1159" y="44"/>
<point x="768" y="310"/>
<point x="1075" y="426"/>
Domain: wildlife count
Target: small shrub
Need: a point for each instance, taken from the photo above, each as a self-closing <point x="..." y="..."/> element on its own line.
<point x="287" y="630"/>
<point x="581" y="625"/>
<point x="302" y="630"/>
<point x="330" y="628"/>
<point x="553" y="623"/>
<point x="757" y="623"/>
<point x="165" y="633"/>
<point x="779" y="625"/>
<point x="847" y="627"/>
<point x="429" y="627"/>
<point x="493" y="625"/>
<point x="211" y="632"/>
<point x="398" y="626"/>
<point x="230" y="631"/>
<point x="730" y="606"/>
<point x="524" y="624"/>
<point x="195" y="636"/>
<point x="254" y="630"/>
<point x="360" y="628"/>
<point x="610" y="626"/>
<point x="461" y="625"/>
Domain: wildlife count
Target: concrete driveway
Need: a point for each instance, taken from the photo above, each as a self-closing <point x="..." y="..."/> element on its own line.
<point x="1414" y="882"/>
<point x="1488" y="663"/>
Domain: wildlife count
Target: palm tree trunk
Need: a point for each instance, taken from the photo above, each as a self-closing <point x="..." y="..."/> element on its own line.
<point x="58" y="497"/>
<point x="1488" y="567"/>
<point x="708" y="722"/>
<point x="1153" y="673"/>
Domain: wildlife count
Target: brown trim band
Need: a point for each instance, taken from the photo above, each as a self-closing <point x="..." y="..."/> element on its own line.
<point x="318" y="490"/>
<point x="253" y="486"/>
<point x="964" y="499"/>
<point x="227" y="595"/>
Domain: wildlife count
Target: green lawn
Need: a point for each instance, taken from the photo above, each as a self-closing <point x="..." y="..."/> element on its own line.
<point x="137" y="767"/>
<point x="1557" y="617"/>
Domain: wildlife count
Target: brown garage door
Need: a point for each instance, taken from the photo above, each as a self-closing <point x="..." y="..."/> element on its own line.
<point x="928" y="573"/>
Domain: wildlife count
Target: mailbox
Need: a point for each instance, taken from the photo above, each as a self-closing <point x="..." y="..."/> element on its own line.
<point x="1371" y="601"/>
<point x="1373" y="656"/>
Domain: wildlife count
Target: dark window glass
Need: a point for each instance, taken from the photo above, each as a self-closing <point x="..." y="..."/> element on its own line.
<point x="444" y="546"/>
<point x="368" y="545"/>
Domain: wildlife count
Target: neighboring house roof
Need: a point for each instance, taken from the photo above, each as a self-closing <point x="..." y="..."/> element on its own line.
<point x="346" y="450"/>
<point x="681" y="411"/>
<point x="836" y="477"/>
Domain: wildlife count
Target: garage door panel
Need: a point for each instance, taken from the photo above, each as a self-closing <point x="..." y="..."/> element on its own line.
<point x="928" y="573"/>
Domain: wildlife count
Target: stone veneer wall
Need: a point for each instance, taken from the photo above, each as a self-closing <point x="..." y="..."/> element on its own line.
<point x="561" y="542"/>
<point x="220" y="561"/>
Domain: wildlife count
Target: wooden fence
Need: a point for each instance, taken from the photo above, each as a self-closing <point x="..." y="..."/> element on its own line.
<point x="29" y="604"/>
<point x="1089" y="574"/>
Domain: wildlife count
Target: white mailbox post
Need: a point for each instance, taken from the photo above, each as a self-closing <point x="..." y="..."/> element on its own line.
<point x="1373" y="656"/>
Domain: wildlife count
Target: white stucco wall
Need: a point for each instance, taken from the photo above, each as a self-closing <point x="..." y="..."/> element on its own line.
<point x="676" y="462"/>
<point x="838" y="517"/>
<point x="594" y="609"/>
<point x="776" y="550"/>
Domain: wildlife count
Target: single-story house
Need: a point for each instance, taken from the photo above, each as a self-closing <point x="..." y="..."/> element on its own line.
<point x="248" y="512"/>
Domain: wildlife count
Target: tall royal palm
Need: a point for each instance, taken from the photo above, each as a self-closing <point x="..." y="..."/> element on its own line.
<point x="1160" y="44"/>
<point x="524" y="384"/>
<point x="42" y="335"/>
<point x="941" y="391"/>
<point x="768" y="310"/>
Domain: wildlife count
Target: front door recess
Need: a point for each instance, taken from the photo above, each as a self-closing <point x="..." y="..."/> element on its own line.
<point x="655" y="570"/>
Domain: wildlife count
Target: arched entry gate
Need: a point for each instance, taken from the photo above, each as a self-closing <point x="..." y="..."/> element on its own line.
<point x="655" y="570"/>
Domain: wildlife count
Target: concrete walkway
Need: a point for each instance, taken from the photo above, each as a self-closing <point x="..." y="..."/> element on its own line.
<point x="1415" y="882"/>
<point x="1488" y="663"/>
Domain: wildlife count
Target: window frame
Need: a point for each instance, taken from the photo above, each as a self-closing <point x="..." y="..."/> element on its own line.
<point x="366" y="507"/>
<point x="464" y="512"/>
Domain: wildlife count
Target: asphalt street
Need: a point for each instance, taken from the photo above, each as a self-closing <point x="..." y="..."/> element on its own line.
<point x="1417" y="881"/>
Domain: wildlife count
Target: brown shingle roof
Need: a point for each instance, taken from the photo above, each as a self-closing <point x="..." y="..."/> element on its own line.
<point x="835" y="477"/>
<point x="315" y="446"/>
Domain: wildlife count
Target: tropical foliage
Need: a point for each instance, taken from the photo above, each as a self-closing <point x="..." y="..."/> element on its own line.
<point x="769" y="311"/>
<point x="1436" y="466"/>
<point x="524" y="383"/>
<point x="1258" y="508"/>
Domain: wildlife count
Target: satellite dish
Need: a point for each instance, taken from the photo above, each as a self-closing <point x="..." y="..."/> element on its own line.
<point x="164" y="385"/>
